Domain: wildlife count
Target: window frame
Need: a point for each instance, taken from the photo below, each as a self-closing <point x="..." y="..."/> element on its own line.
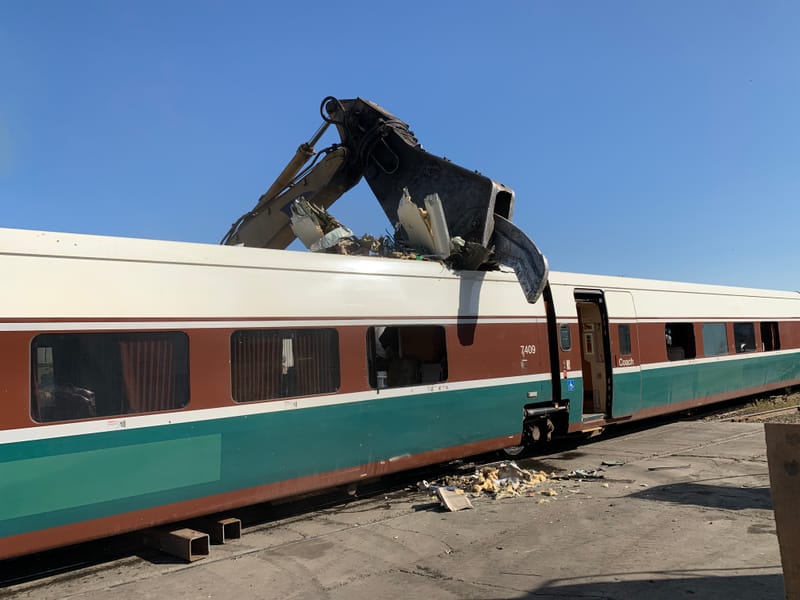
<point x="676" y="332"/>
<point x="774" y="330"/>
<point x="399" y="367"/>
<point x="739" y="346"/>
<point x="268" y="385"/>
<point x="564" y="327"/>
<point x="104" y="374"/>
<point x="716" y="326"/>
<point x="626" y="338"/>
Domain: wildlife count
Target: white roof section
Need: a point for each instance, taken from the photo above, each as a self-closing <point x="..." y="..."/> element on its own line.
<point x="59" y="275"/>
<point x="139" y="278"/>
<point x="629" y="298"/>
<point x="636" y="284"/>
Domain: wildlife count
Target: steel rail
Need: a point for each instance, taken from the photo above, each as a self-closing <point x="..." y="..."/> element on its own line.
<point x="764" y="413"/>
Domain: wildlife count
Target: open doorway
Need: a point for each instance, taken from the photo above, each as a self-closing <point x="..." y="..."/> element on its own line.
<point x="595" y="354"/>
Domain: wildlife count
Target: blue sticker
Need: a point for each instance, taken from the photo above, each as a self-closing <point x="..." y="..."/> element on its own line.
<point x="570" y="385"/>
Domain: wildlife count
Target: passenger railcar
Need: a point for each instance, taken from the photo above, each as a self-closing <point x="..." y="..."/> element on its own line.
<point x="144" y="382"/>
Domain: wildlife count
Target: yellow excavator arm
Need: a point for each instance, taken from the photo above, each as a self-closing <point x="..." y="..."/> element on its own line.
<point x="381" y="148"/>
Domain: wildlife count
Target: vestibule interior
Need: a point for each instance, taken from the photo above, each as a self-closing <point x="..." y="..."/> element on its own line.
<point x="593" y="360"/>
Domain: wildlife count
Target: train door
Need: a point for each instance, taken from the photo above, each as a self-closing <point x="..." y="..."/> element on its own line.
<point x="595" y="354"/>
<point x="625" y="354"/>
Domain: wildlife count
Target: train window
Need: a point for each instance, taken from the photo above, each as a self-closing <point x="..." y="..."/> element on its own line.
<point x="715" y="339"/>
<point x="566" y="339"/>
<point x="680" y="341"/>
<point x="770" y="338"/>
<point x="267" y="364"/>
<point x="406" y="355"/>
<point x="624" y="339"/>
<point x="744" y="337"/>
<point x="86" y="375"/>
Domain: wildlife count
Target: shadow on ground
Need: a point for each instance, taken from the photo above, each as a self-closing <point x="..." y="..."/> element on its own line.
<point x="707" y="587"/>
<point x="710" y="496"/>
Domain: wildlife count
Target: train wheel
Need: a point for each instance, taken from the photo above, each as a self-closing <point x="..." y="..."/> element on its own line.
<point x="513" y="451"/>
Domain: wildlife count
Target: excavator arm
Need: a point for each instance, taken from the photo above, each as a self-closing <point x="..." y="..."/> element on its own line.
<point x="330" y="174"/>
<point x="381" y="148"/>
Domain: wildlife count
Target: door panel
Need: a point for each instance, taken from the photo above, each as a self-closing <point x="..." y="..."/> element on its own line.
<point x="625" y="355"/>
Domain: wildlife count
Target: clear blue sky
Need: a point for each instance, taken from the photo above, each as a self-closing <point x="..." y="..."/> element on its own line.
<point x="646" y="139"/>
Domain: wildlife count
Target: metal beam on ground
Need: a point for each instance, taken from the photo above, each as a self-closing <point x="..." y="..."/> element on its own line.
<point x="187" y="544"/>
<point x="221" y="530"/>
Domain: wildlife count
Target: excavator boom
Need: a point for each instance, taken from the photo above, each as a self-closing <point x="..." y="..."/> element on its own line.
<point x="380" y="147"/>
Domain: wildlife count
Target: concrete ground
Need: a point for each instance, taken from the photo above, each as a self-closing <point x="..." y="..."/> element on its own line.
<point x="687" y="516"/>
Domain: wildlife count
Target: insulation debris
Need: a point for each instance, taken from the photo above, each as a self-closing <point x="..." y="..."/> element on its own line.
<point x="315" y="226"/>
<point x="426" y="230"/>
<point x="504" y="480"/>
<point x="321" y="232"/>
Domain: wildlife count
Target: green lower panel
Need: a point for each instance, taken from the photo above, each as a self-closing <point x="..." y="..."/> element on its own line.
<point x="627" y="394"/>
<point x="684" y="382"/>
<point x="80" y="478"/>
<point x="572" y="390"/>
<point x="54" y="482"/>
<point x="681" y="383"/>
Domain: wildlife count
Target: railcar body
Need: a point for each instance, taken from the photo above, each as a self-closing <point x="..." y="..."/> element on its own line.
<point x="145" y="382"/>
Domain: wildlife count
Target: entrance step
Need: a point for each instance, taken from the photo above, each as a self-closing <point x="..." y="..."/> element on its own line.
<point x="593" y="417"/>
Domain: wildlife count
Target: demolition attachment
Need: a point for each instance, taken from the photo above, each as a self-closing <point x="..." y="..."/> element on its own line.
<point x="431" y="202"/>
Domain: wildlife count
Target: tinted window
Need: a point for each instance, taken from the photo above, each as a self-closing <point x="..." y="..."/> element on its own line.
<point x="566" y="339"/>
<point x="406" y="355"/>
<point x="281" y="363"/>
<point x="624" y="339"/>
<point x="715" y="339"/>
<point x="86" y="375"/>
<point x="744" y="337"/>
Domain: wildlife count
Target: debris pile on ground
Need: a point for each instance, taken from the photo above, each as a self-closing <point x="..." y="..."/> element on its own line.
<point x="503" y="480"/>
<point x="581" y="474"/>
<point x="509" y="480"/>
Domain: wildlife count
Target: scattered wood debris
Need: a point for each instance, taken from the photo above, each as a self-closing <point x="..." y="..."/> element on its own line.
<point x="582" y="474"/>
<point x="504" y="480"/>
<point x="509" y="480"/>
<point x="453" y="500"/>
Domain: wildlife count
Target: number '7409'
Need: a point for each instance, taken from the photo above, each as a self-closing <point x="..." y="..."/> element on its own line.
<point x="527" y="349"/>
